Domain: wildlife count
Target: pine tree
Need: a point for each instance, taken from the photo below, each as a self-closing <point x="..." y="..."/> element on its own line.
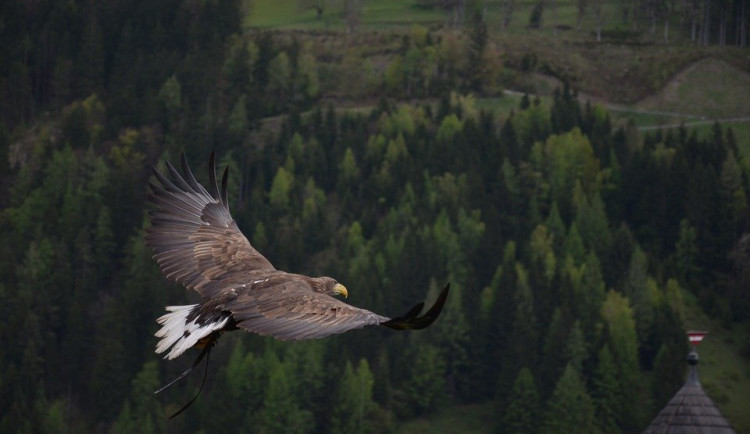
<point x="553" y="359"/>
<point x="575" y="348"/>
<point x="525" y="336"/>
<point x="281" y="411"/>
<point x="623" y="341"/>
<point x="354" y="402"/>
<point x="522" y="414"/>
<point x="607" y="392"/>
<point x="424" y="389"/>
<point x="570" y="408"/>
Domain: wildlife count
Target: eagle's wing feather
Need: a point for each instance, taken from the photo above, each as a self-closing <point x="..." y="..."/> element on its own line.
<point x="196" y="241"/>
<point x="291" y="311"/>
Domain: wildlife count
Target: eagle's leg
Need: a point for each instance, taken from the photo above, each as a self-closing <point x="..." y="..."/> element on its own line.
<point x="207" y="352"/>
<point x="205" y="344"/>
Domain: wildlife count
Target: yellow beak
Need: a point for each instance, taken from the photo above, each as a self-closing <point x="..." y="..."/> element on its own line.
<point x="341" y="290"/>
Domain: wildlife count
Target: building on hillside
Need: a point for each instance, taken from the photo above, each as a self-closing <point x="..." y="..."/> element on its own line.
<point x="690" y="410"/>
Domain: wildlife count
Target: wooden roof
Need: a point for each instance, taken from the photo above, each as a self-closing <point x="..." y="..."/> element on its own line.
<point x="690" y="411"/>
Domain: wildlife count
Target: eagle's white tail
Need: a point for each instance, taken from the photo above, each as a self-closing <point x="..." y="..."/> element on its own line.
<point x="178" y="333"/>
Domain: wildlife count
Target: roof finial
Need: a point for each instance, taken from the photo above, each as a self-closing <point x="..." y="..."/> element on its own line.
<point x="695" y="337"/>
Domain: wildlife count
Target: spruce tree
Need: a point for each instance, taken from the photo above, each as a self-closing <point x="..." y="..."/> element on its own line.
<point x="570" y="408"/>
<point x="522" y="413"/>
<point x="607" y="392"/>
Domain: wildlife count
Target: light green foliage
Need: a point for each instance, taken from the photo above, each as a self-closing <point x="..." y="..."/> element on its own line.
<point x="281" y="188"/>
<point x="419" y="69"/>
<point x="673" y="298"/>
<point x="348" y="170"/>
<point x="314" y="201"/>
<point x="402" y="121"/>
<point x="622" y="339"/>
<point x="425" y="388"/>
<point x="573" y="246"/>
<point x="592" y="222"/>
<point x="241" y="57"/>
<point x="418" y="35"/>
<point x="280" y="76"/>
<point x="522" y="414"/>
<point x="376" y="145"/>
<point x="449" y="192"/>
<point x="532" y="124"/>
<point x="570" y="408"/>
<point x="395" y="150"/>
<point x="394" y="76"/>
<point x="590" y="294"/>
<point x="576" y="352"/>
<point x="306" y="79"/>
<point x="353" y="403"/>
<point x="541" y="246"/>
<point x="455" y="341"/>
<point x="569" y="159"/>
<point x="607" y="392"/>
<point x="557" y="229"/>
<point x="281" y="411"/>
<point x="142" y="412"/>
<point x="470" y="229"/>
<point x="449" y="127"/>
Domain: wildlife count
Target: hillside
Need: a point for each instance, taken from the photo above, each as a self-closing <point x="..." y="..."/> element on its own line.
<point x="709" y="88"/>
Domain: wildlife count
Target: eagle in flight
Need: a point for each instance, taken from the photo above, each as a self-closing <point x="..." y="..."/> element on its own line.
<point x="197" y="243"/>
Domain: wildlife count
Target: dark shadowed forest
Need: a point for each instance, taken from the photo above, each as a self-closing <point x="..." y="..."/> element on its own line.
<point x="570" y="242"/>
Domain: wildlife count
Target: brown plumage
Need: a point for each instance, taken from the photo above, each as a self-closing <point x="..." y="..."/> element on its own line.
<point x="198" y="244"/>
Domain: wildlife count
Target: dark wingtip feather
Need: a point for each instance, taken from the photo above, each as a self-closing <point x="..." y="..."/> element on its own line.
<point x="224" y="188"/>
<point x="168" y="185"/>
<point x="410" y="321"/>
<point x="212" y="176"/>
<point x="189" y="177"/>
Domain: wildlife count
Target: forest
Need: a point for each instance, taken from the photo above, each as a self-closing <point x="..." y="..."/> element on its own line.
<point x="570" y="242"/>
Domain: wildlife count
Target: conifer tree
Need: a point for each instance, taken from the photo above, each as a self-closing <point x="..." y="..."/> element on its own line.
<point x="281" y="411"/>
<point x="354" y="401"/>
<point x="570" y="408"/>
<point x="622" y="339"/>
<point x="522" y="414"/>
<point x="607" y="392"/>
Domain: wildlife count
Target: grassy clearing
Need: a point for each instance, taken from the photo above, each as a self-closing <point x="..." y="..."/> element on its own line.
<point x="561" y="21"/>
<point x="710" y="88"/>
<point x="499" y="105"/>
<point x="620" y="118"/>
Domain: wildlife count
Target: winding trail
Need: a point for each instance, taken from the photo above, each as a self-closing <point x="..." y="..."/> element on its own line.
<point x="698" y="120"/>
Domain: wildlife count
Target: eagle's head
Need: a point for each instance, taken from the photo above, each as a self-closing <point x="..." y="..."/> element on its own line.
<point x="329" y="285"/>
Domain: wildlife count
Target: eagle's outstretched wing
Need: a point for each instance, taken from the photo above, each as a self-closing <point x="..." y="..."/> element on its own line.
<point x="195" y="240"/>
<point x="289" y="311"/>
